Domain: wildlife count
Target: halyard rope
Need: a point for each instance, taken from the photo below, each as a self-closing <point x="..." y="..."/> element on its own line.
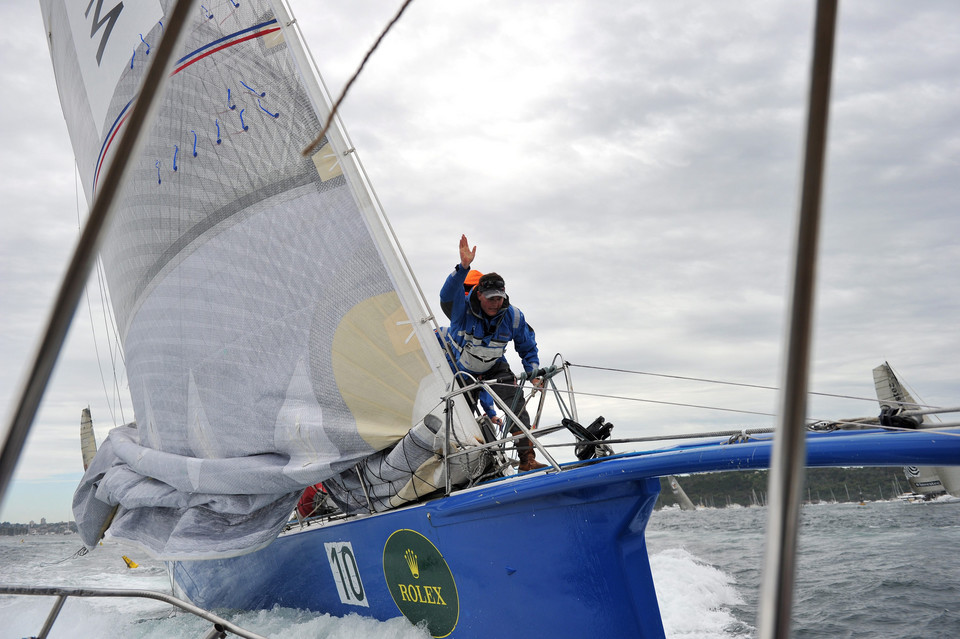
<point x="336" y="105"/>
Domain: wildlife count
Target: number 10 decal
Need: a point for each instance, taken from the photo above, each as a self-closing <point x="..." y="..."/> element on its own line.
<point x="346" y="573"/>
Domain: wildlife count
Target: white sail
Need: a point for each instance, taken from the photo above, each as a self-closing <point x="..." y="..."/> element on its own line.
<point x="272" y="337"/>
<point x="88" y="442"/>
<point x="679" y="494"/>
<point x="923" y="480"/>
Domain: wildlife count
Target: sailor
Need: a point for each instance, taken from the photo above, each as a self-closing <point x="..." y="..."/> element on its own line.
<point x="473" y="276"/>
<point x="483" y="397"/>
<point x="486" y="402"/>
<point x="482" y="323"/>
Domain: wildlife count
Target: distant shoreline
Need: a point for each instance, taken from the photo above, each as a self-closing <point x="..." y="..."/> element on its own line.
<point x="8" y="529"/>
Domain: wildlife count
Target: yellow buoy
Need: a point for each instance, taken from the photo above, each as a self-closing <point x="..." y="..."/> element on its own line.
<point x="130" y="562"/>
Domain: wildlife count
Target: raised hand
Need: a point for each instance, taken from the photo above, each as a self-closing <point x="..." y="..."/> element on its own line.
<point x="466" y="253"/>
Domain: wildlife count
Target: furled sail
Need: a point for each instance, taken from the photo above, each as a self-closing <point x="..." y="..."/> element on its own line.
<point x="273" y="338"/>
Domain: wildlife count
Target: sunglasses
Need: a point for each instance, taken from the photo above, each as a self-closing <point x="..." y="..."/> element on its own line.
<point x="488" y="285"/>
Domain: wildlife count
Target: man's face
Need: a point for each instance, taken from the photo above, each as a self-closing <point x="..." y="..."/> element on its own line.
<point x="490" y="305"/>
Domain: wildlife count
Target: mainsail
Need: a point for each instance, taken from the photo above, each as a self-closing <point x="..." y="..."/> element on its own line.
<point x="273" y="338"/>
<point x="893" y="398"/>
<point x="680" y="494"/>
<point x="88" y="442"/>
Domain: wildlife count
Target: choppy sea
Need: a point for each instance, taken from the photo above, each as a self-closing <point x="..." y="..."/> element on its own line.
<point x="885" y="569"/>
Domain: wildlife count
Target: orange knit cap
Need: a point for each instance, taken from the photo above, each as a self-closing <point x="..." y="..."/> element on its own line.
<point x="472" y="278"/>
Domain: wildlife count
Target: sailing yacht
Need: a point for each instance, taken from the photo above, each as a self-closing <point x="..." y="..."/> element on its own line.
<point x="276" y="339"/>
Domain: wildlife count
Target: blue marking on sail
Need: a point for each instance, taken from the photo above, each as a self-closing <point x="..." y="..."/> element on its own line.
<point x="272" y="115"/>
<point x="254" y="91"/>
<point x="182" y="63"/>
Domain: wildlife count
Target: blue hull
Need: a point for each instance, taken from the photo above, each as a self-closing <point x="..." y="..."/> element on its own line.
<point x="547" y="555"/>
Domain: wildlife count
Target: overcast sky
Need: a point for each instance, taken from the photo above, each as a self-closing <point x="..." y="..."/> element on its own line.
<point x="630" y="168"/>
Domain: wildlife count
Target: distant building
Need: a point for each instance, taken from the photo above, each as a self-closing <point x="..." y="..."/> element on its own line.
<point x="8" y="529"/>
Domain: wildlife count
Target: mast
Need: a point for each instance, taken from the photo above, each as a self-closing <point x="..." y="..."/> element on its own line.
<point x="789" y="450"/>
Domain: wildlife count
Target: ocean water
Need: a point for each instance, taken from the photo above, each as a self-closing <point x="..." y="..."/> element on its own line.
<point x="885" y="569"/>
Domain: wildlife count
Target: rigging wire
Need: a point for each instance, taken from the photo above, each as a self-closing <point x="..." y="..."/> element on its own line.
<point x="574" y="394"/>
<point x="917" y="402"/>
<point x="116" y="349"/>
<point x="107" y="319"/>
<point x="826" y="423"/>
<point x="725" y="383"/>
<point x="665" y="403"/>
<point x="86" y="294"/>
<point x="336" y="105"/>
<point x="96" y="350"/>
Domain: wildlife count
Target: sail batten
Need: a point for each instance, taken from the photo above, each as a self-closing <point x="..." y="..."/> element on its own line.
<point x="273" y="337"/>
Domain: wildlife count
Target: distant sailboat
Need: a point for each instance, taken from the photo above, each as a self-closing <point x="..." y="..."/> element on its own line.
<point x="88" y="442"/>
<point x="894" y="399"/>
<point x="679" y="494"/>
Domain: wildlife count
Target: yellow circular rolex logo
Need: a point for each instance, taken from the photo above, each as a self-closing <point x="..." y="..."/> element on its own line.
<point x="420" y="582"/>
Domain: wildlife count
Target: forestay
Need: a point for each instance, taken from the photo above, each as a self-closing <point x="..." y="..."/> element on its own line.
<point x="263" y="310"/>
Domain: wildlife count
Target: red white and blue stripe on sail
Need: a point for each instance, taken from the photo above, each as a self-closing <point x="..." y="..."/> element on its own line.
<point x="238" y="37"/>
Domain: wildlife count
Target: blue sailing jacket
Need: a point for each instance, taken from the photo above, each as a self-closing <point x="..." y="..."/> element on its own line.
<point x="481" y="340"/>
